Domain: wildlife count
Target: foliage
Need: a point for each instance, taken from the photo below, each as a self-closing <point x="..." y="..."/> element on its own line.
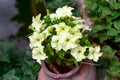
<point x="16" y="65"/>
<point x="57" y="3"/>
<point x="26" y="9"/>
<point x="23" y="16"/>
<point x="38" y="1"/>
<point x="106" y="32"/>
<point x="61" y="37"/>
<point x="54" y="4"/>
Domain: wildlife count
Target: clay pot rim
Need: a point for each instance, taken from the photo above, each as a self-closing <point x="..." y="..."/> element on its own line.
<point x="51" y="74"/>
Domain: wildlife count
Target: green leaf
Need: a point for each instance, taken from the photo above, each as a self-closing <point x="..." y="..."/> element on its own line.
<point x="10" y="76"/>
<point x="68" y="63"/>
<point x="117" y="39"/>
<point x="117" y="25"/>
<point x="1" y="45"/>
<point x="26" y="77"/>
<point x="47" y="20"/>
<point x="26" y="68"/>
<point x="112" y="32"/>
<point x="76" y="12"/>
<point x="114" y="67"/>
<point x="35" y="67"/>
<point x="9" y="48"/>
<point x="38" y="1"/>
<point x="69" y="23"/>
<point x="97" y="28"/>
<point x="49" y="50"/>
<point x="27" y="71"/>
<point x="115" y="14"/>
<point x="54" y="4"/>
<point x="109" y="78"/>
<point x="58" y="60"/>
<point x="4" y="57"/>
<point x="105" y="11"/>
<point x="108" y="50"/>
<point x="61" y="54"/>
<point x="103" y="37"/>
<point x="76" y="63"/>
<point x="117" y="6"/>
<point x="92" y="2"/>
<point x="104" y="63"/>
<point x="49" y="59"/>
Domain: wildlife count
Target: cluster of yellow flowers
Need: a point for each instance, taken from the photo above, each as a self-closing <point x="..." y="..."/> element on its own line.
<point x="66" y="37"/>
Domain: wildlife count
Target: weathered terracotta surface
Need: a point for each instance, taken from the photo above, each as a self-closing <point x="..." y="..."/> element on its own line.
<point x="84" y="72"/>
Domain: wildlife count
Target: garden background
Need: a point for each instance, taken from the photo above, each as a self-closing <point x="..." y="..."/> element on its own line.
<point x="16" y="16"/>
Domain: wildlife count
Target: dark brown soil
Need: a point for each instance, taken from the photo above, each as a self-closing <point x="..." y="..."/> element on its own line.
<point x="59" y="69"/>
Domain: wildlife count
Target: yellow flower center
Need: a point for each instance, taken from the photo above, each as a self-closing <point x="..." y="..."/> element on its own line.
<point x="93" y="52"/>
<point x="37" y="39"/>
<point x="79" y="51"/>
<point x="62" y="28"/>
<point x="67" y="40"/>
<point x="56" y="41"/>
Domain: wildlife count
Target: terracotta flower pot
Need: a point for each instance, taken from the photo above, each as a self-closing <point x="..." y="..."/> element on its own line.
<point x="83" y="72"/>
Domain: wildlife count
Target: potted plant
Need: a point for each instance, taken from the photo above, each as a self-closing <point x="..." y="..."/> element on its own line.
<point x="60" y="43"/>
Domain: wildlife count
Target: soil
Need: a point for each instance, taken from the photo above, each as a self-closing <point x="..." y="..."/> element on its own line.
<point x="59" y="69"/>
